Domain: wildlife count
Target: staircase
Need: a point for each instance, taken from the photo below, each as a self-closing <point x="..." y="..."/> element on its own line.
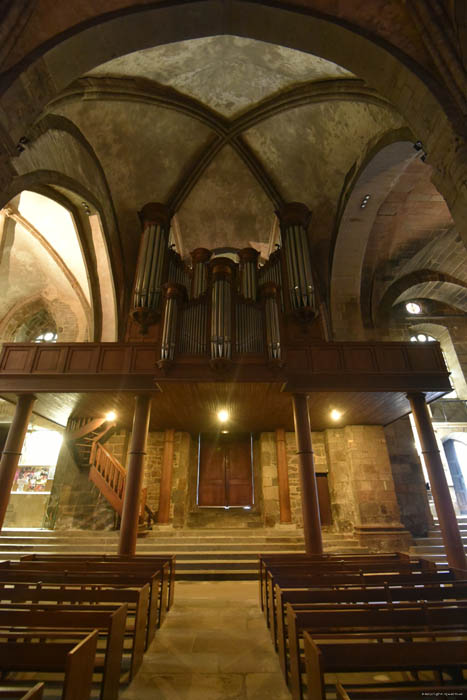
<point x="85" y="437"/>
<point x="431" y="547"/>
<point x="202" y="554"/>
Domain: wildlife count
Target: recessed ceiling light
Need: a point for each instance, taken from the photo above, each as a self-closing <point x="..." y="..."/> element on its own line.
<point x="223" y="415"/>
<point x="110" y="416"/>
<point x="335" y="414"/>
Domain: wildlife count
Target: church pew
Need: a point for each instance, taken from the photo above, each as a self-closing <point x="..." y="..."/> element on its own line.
<point x="309" y="599"/>
<point x="388" y="622"/>
<point x="73" y="658"/>
<point x="405" y="692"/>
<point x="339" y="657"/>
<point x="329" y="574"/>
<point x="137" y="601"/>
<point x="13" y="572"/>
<point x="35" y="693"/>
<point x="271" y="560"/>
<point x="100" y="566"/>
<point x="156" y="560"/>
<point x="111" y="623"/>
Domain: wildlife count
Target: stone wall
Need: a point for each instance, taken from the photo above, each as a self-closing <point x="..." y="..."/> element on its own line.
<point x="408" y="478"/>
<point x="75" y="503"/>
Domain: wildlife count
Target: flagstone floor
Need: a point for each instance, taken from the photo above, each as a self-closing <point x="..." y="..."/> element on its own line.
<point x="213" y="645"/>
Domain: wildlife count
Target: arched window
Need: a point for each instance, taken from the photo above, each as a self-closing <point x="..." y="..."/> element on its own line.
<point x="422" y="338"/>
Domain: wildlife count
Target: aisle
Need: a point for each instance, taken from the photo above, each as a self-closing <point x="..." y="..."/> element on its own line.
<point x="214" y="645"/>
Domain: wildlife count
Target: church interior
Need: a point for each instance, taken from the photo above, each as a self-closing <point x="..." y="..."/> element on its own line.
<point x="233" y="356"/>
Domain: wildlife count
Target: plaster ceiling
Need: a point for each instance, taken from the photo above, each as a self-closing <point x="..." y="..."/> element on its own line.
<point x="227" y="73"/>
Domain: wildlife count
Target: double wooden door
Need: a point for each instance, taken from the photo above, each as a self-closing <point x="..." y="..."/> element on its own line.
<point x="225" y="470"/>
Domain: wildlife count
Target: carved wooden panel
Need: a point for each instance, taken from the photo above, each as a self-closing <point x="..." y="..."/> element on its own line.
<point x="326" y="359"/>
<point x="48" y="359"/>
<point x="391" y="359"/>
<point x="17" y="359"/>
<point x="82" y="358"/>
<point x="359" y="359"/>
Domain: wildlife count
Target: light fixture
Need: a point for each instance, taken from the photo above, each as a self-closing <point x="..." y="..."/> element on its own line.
<point x="110" y="416"/>
<point x="365" y="201"/>
<point x="335" y="414"/>
<point x="413" y="308"/>
<point x="224" y="432"/>
<point x="223" y="415"/>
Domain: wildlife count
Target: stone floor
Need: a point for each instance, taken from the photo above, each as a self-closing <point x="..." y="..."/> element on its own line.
<point x="214" y="645"/>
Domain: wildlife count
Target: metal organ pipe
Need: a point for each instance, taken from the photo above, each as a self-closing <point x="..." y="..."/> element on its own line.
<point x="173" y="294"/>
<point x="273" y="334"/>
<point x="248" y="272"/>
<point x="221" y="309"/>
<point x="199" y="260"/>
<point x="294" y="218"/>
<point x="152" y="256"/>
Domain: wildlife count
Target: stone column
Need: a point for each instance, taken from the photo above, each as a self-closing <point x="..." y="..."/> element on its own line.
<point x="134" y="476"/>
<point x="310" y="504"/>
<point x="283" y="477"/>
<point x="166" y="477"/>
<point x="439" y="486"/>
<point x="12" y="450"/>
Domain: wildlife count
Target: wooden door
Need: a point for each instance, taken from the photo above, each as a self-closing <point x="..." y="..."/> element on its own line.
<point x="225" y="471"/>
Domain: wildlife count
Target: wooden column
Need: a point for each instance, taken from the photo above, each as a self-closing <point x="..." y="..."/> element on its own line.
<point x="12" y="450"/>
<point x="439" y="486"/>
<point x="283" y="477"/>
<point x="166" y="477"/>
<point x="134" y="476"/>
<point x="310" y="505"/>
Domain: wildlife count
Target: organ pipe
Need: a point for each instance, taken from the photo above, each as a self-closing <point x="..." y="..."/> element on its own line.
<point x="152" y="256"/>
<point x="221" y="309"/>
<point x="248" y="272"/>
<point x="199" y="259"/>
<point x="269" y="293"/>
<point x="173" y="294"/>
<point x="294" y="219"/>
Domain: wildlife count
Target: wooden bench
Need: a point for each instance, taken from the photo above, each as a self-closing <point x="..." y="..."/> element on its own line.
<point x="137" y="601"/>
<point x="166" y="561"/>
<point x="340" y="577"/>
<point x="309" y="599"/>
<point x="111" y="623"/>
<point x="86" y="578"/>
<point x="322" y="658"/>
<point x="34" y="693"/>
<point x="391" y="621"/>
<point x="277" y="560"/>
<point x="74" y="659"/>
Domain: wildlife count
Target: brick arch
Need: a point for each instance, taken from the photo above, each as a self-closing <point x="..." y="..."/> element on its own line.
<point x="424" y="101"/>
<point x="407" y="282"/>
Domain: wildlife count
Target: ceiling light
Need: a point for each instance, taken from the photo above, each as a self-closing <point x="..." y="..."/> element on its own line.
<point x="223" y="415"/>
<point x="413" y="308"/>
<point x="110" y="416"/>
<point x="335" y="414"/>
<point x="224" y="432"/>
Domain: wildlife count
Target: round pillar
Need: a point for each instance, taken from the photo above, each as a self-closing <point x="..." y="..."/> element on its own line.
<point x="439" y="487"/>
<point x="12" y="450"/>
<point x="134" y="476"/>
<point x="310" y="503"/>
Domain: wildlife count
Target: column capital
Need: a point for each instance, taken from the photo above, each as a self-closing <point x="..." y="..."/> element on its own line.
<point x="248" y="255"/>
<point x="155" y="213"/>
<point x="268" y="290"/>
<point x="294" y="213"/>
<point x="173" y="290"/>
<point x="222" y="269"/>
<point x="200" y="255"/>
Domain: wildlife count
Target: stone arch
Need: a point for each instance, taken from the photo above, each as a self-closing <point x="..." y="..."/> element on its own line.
<point x="424" y="103"/>
<point x="30" y="317"/>
<point x="407" y="282"/>
<point x="44" y="182"/>
<point x="382" y="168"/>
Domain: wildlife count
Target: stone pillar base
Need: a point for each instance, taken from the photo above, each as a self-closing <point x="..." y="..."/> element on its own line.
<point x="383" y="539"/>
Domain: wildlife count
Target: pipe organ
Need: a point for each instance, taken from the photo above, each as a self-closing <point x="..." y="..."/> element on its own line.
<point x="222" y="308"/>
<point x="294" y="219"/>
